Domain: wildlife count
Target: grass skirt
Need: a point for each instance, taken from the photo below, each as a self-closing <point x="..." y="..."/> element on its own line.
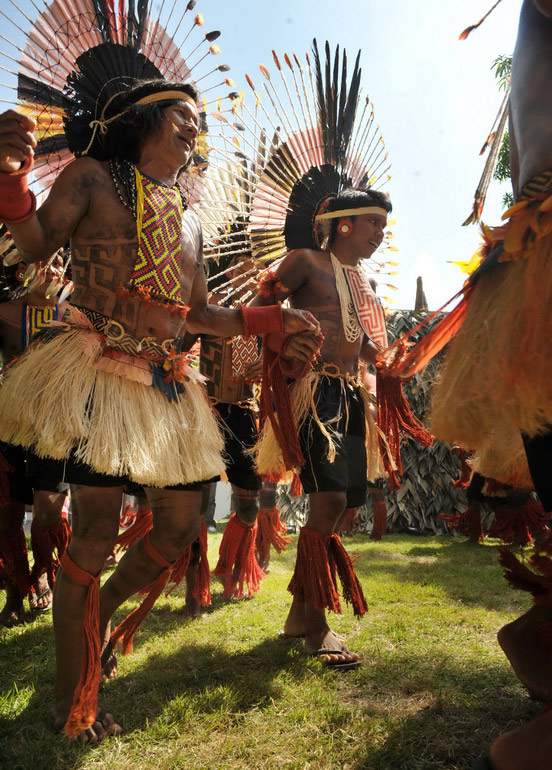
<point x="498" y="370"/>
<point x="63" y="396"/>
<point x="268" y="455"/>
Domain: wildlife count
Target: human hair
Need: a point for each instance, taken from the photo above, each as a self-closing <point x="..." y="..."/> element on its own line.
<point x="354" y="199"/>
<point x="138" y="122"/>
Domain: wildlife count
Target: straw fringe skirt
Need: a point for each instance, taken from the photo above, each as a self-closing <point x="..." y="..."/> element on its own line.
<point x="498" y="371"/>
<point x="268" y="455"/>
<point x="55" y="400"/>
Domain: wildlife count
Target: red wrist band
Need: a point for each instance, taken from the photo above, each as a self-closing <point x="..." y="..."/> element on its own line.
<point x="17" y="202"/>
<point x="261" y="320"/>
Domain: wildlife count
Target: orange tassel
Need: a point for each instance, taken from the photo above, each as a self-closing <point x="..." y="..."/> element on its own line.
<point x="142" y="525"/>
<point x="180" y="567"/>
<point x="85" y="699"/>
<point x="520" y="576"/>
<point x="237" y="547"/>
<point x="514" y="525"/>
<point x="320" y="558"/>
<point x="349" y="521"/>
<point x="124" y="633"/>
<point x="270" y="531"/>
<point x="469" y="522"/>
<point x="396" y="419"/>
<point x="296" y="489"/>
<point x="379" y="520"/>
<point x="44" y="542"/>
<point x="400" y="363"/>
<point x="465" y="472"/>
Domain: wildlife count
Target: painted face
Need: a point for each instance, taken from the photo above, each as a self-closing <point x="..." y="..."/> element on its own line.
<point x="180" y="129"/>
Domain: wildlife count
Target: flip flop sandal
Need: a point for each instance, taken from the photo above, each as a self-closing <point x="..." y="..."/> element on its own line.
<point x="482" y="763"/>
<point x="345" y="665"/>
<point x="37" y="597"/>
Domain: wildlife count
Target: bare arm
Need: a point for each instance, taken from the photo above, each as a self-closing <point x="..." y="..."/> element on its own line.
<point x="228" y="322"/>
<point x="283" y="281"/>
<point x="53" y="224"/>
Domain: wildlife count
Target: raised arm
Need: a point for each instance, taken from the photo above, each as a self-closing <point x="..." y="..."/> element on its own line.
<point x="38" y="234"/>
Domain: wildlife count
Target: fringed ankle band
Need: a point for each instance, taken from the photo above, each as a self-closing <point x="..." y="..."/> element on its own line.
<point x="270" y="531"/>
<point x="379" y="520"/>
<point x="85" y="699"/>
<point x="237" y="563"/>
<point x="320" y="558"/>
<point x="518" y="575"/>
<point x="124" y="633"/>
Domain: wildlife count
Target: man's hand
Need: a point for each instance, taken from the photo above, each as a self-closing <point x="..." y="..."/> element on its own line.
<point x="253" y="372"/>
<point x="302" y="346"/>
<point x="16" y="139"/>
<point x="299" y="321"/>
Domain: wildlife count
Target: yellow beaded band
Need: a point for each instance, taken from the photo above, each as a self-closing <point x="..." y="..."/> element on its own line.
<point x="352" y="213"/>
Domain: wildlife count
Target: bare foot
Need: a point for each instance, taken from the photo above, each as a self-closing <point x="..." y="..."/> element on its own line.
<point x="527" y="747"/>
<point x="104" y="727"/>
<point x="527" y="643"/>
<point x="295" y="624"/>
<point x="13" y="609"/>
<point x="41" y="601"/>
<point x="338" y="654"/>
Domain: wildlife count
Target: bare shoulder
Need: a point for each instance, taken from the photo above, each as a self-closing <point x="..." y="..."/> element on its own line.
<point x="298" y="259"/>
<point x="191" y="231"/>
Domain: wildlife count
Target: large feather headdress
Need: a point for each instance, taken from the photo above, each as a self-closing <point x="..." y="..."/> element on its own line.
<point x="324" y="139"/>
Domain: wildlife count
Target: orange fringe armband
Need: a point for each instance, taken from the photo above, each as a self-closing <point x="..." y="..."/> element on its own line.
<point x="395" y="418"/>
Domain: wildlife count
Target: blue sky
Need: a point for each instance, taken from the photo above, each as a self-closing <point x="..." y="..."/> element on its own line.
<point x="435" y="100"/>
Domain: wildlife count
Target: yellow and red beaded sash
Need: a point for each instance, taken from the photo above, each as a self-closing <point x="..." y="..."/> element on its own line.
<point x="159" y="213"/>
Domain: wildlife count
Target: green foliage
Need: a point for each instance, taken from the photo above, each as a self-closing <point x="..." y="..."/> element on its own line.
<point x="502" y="67"/>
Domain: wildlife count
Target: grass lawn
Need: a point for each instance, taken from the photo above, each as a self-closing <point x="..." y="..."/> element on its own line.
<point x="225" y="692"/>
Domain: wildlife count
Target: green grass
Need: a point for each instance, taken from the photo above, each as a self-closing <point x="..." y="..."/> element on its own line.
<point x="225" y="692"/>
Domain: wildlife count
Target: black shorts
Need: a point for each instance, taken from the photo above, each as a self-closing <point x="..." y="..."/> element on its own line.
<point x="45" y="475"/>
<point x="20" y="487"/>
<point x="239" y="429"/>
<point x="70" y="471"/>
<point x="339" y="407"/>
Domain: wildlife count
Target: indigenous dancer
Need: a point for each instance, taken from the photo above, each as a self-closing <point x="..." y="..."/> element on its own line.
<point x="294" y="207"/>
<point x="329" y="408"/>
<point x="127" y="405"/>
<point x="20" y="319"/>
